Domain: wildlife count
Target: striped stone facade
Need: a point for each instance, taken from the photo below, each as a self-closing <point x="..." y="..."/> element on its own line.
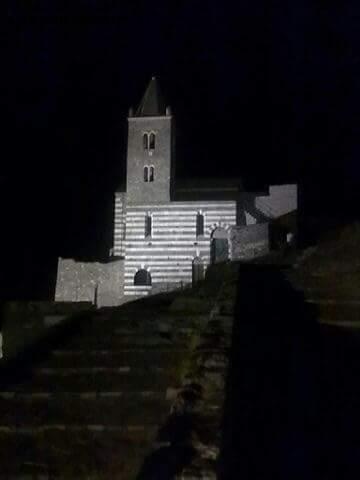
<point x="169" y="253"/>
<point x="119" y="224"/>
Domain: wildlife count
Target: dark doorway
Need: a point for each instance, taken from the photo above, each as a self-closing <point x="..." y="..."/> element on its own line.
<point x="142" y="277"/>
<point x="197" y="270"/>
<point x="219" y="250"/>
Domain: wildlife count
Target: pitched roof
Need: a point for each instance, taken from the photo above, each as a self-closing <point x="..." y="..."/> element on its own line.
<point x="152" y="103"/>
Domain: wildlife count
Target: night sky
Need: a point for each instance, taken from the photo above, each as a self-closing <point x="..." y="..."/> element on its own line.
<point x="265" y="90"/>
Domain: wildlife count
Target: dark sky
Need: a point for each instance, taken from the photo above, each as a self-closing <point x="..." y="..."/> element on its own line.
<point x="264" y="90"/>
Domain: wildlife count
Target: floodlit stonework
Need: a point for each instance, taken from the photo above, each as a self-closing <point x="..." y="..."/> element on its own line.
<point x="165" y="232"/>
<point x="99" y="283"/>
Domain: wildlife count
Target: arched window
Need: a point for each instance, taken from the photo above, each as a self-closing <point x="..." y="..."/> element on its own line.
<point x="146" y="141"/>
<point x="199" y="224"/>
<point x="151" y="174"/>
<point x="148" y="226"/>
<point x="152" y="141"/>
<point x="142" y="277"/>
<point x="146" y="174"/>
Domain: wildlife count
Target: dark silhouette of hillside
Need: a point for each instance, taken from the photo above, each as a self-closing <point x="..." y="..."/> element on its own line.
<point x="292" y="391"/>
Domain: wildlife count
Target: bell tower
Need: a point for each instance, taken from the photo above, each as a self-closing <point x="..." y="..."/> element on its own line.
<point x="149" y="151"/>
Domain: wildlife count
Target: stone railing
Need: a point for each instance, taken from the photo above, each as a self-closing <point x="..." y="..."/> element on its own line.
<point x="189" y="442"/>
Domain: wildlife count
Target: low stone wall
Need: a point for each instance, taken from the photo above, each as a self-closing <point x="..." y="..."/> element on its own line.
<point x="98" y="283"/>
<point x="189" y="442"/>
<point x="24" y="324"/>
<point x="249" y="241"/>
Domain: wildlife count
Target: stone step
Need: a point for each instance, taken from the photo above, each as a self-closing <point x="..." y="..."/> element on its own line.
<point x="74" y="453"/>
<point x="352" y="324"/>
<point x="225" y="320"/>
<point x="103" y="342"/>
<point x="135" y="332"/>
<point x="159" y="333"/>
<point x="127" y="327"/>
<point x="81" y="412"/>
<point x="109" y="358"/>
<point x="65" y="371"/>
<point x="134" y="320"/>
<point x="96" y="382"/>
<point x="338" y="312"/>
<point x="69" y="350"/>
<point x="227" y="307"/>
<point x="326" y="291"/>
<point x="92" y="395"/>
<point x="158" y="330"/>
<point x="180" y="319"/>
<point x="33" y="429"/>
<point x="162" y="320"/>
<point x="219" y="328"/>
<point x="334" y="301"/>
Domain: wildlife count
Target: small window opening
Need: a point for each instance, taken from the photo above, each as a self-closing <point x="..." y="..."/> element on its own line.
<point x="151" y="174"/>
<point x="152" y="141"/>
<point x="199" y="224"/>
<point x="146" y="141"/>
<point x="146" y="174"/>
<point x="148" y="226"/>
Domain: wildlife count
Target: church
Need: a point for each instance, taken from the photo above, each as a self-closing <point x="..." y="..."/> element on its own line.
<point x="167" y="232"/>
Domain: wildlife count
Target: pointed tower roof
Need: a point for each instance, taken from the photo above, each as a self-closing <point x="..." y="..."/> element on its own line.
<point x="152" y="103"/>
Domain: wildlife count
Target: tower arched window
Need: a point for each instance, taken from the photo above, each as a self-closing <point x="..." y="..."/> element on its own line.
<point x="199" y="224"/>
<point x="152" y="141"/>
<point x="146" y="141"/>
<point x="151" y="173"/>
<point x="146" y="173"/>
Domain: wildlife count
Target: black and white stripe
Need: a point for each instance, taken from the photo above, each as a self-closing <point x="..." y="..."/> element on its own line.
<point x="168" y="255"/>
<point x="119" y="224"/>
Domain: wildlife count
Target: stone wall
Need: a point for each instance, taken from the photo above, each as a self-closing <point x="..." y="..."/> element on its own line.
<point x="99" y="283"/>
<point x="249" y="241"/>
<point x="168" y="254"/>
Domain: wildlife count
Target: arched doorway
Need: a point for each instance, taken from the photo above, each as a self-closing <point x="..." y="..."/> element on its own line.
<point x="197" y="270"/>
<point x="142" y="277"/>
<point x="219" y="249"/>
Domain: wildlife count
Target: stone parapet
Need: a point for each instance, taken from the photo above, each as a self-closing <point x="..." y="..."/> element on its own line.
<point x="249" y="241"/>
<point x="98" y="283"/>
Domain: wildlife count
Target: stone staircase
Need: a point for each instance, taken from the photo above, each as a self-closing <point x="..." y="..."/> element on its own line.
<point x="92" y="406"/>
